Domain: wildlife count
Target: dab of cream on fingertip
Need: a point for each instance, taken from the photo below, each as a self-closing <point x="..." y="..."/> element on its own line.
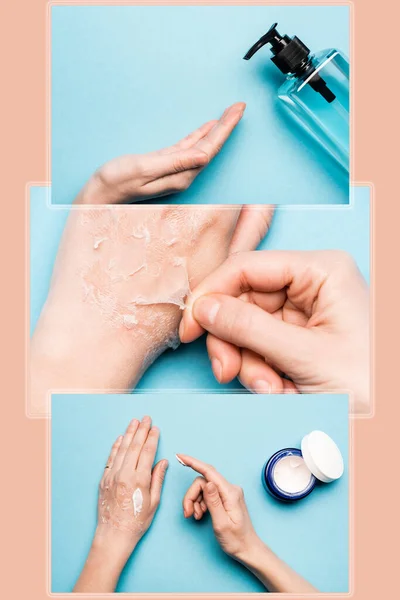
<point x="180" y="461"/>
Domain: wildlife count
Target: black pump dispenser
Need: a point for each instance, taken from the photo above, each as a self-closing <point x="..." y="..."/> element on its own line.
<point x="290" y="55"/>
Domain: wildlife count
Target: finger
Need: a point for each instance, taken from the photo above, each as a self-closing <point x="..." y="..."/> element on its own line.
<point x="111" y="458"/>
<point x="135" y="447"/>
<point x="214" y="504"/>
<point x="147" y="455"/>
<point x="161" y="165"/>
<point x="128" y="437"/>
<point x="226" y="359"/>
<point x="289" y="387"/>
<point x="157" y="482"/>
<point x="247" y="326"/>
<point x="198" y="511"/>
<point x="191" y="139"/>
<point x="208" y="472"/>
<point x="170" y="184"/>
<point x="271" y="302"/>
<point x="214" y="141"/>
<point x="192" y="495"/>
<point x="252" y="227"/>
<point x="257" y="376"/>
<point x="201" y="502"/>
<point x="262" y="271"/>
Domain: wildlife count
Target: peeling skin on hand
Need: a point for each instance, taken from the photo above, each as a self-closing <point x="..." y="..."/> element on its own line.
<point x="120" y="508"/>
<point x="127" y="272"/>
<point x="150" y="263"/>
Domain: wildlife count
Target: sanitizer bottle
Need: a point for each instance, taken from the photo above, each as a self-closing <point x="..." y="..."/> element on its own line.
<point x="316" y="89"/>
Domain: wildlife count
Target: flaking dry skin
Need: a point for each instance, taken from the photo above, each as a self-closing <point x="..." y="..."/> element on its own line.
<point x="116" y="508"/>
<point x="131" y="269"/>
<point x="150" y="269"/>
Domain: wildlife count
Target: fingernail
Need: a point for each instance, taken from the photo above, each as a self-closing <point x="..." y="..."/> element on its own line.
<point x="260" y="386"/>
<point x="205" y="310"/>
<point x="217" y="369"/>
<point x="180" y="461"/>
<point x="146" y="419"/>
<point x="165" y="465"/>
<point x="211" y="487"/>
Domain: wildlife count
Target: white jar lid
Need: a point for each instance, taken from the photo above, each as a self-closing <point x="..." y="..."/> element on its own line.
<point x="322" y="456"/>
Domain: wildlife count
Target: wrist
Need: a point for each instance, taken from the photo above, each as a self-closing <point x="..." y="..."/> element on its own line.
<point x="107" y="558"/>
<point x="112" y="546"/>
<point x="254" y="552"/>
<point x="74" y="349"/>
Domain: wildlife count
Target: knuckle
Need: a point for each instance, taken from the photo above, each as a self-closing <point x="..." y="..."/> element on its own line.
<point x="178" y="164"/>
<point x="238" y="491"/>
<point x="121" y="488"/>
<point x="160" y="476"/>
<point x="341" y="258"/>
<point x="119" y="478"/>
<point x="219" y="528"/>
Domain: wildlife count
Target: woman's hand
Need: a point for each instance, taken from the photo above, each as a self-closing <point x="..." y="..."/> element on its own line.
<point x="227" y="507"/>
<point x="129" y="495"/>
<point x="234" y="530"/>
<point x="136" y="177"/>
<point x="302" y="314"/>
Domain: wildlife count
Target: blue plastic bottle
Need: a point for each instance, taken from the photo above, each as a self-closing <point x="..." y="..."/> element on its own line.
<point x="316" y="90"/>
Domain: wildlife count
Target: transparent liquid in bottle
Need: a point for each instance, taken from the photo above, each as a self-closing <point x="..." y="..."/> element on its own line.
<point x="327" y="121"/>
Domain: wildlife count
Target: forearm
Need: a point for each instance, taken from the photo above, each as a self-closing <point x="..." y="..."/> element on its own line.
<point x="105" y="562"/>
<point x="274" y="573"/>
<point x="71" y="350"/>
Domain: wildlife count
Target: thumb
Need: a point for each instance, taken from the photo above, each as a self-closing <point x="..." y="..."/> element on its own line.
<point x="157" y="481"/>
<point x="176" y="162"/>
<point x="249" y="326"/>
<point x="214" y="503"/>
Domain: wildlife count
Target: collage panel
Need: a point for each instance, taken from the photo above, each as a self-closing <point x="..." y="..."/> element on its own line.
<point x="342" y="234"/>
<point x="129" y="82"/>
<point x="283" y="520"/>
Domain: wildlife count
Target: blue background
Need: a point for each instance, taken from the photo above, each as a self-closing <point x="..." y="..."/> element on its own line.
<point x="132" y="79"/>
<point x="236" y="434"/>
<point x="345" y="227"/>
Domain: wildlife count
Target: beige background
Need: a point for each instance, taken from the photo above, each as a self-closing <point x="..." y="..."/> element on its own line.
<point x="24" y="157"/>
